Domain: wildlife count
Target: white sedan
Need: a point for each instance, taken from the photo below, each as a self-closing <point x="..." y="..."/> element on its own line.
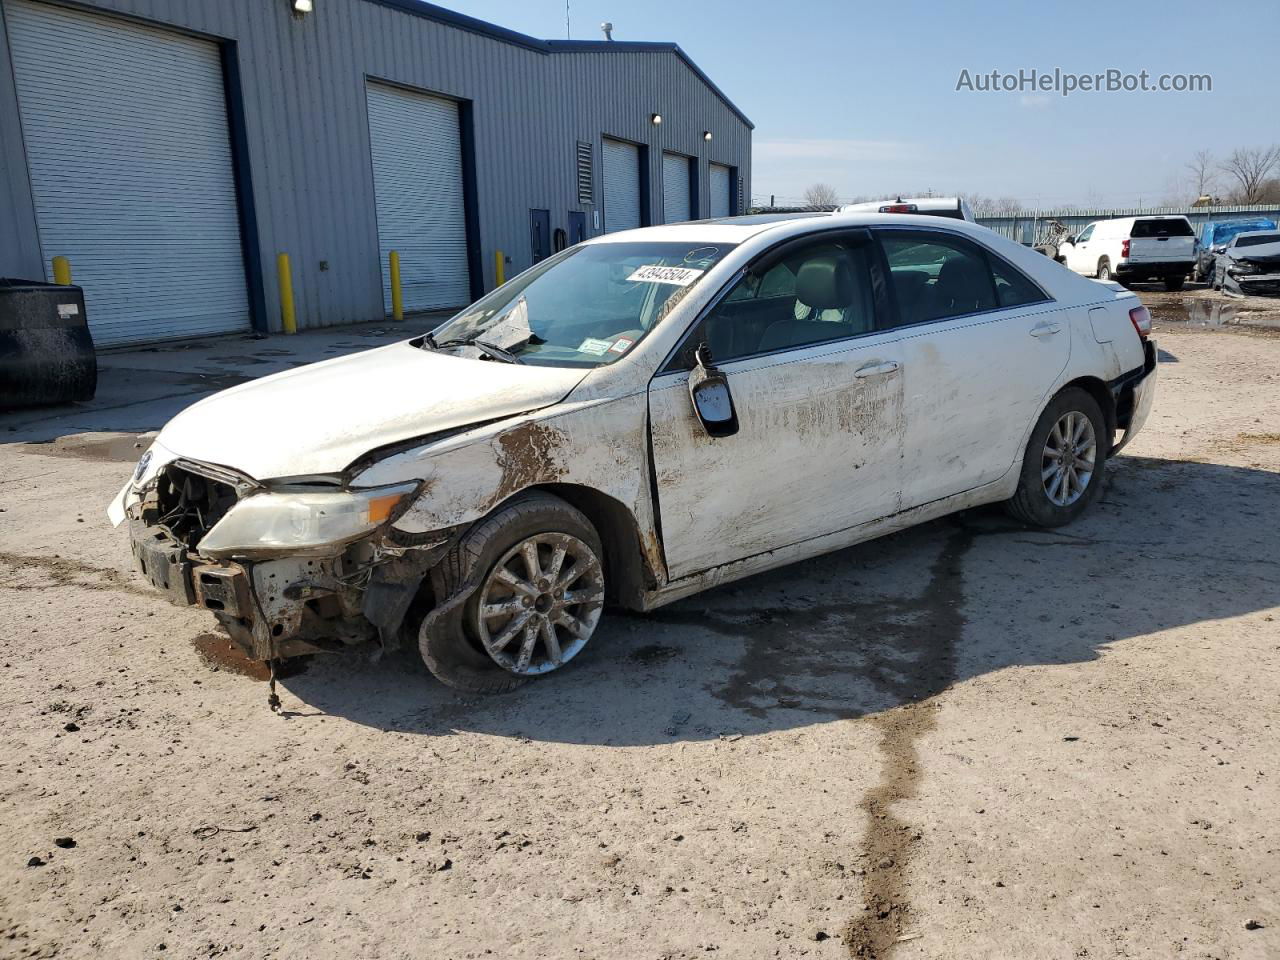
<point x="640" y="417"/>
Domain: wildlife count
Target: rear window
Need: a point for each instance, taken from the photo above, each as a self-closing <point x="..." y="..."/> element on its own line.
<point x="1257" y="241"/>
<point x="1162" y="227"/>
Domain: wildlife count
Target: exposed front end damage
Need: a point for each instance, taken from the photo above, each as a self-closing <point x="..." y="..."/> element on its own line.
<point x="274" y="607"/>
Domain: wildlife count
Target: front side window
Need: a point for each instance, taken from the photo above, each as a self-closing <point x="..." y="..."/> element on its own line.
<point x="1085" y="234"/>
<point x="585" y="307"/>
<point x="819" y="293"/>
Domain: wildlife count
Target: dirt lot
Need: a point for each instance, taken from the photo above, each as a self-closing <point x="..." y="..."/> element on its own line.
<point x="966" y="741"/>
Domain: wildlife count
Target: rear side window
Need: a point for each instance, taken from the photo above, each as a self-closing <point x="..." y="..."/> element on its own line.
<point x="1013" y="287"/>
<point x="1162" y="227"/>
<point x="936" y="276"/>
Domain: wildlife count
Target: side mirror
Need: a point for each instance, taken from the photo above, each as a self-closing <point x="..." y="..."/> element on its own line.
<point x="712" y="401"/>
<point x="1071" y="239"/>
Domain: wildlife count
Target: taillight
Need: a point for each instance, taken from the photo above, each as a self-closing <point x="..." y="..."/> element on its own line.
<point x="1124" y="248"/>
<point x="898" y="208"/>
<point x="1141" y="320"/>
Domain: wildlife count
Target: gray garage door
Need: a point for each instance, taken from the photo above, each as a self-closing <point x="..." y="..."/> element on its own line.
<point x="130" y="164"/>
<point x="675" y="188"/>
<point x="621" y="186"/>
<point x="418" y="189"/>
<point x="721" y="190"/>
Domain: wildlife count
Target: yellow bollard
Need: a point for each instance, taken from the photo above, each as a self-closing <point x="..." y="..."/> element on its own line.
<point x="288" y="320"/>
<point x="500" y="268"/>
<point x="397" y="297"/>
<point x="62" y="271"/>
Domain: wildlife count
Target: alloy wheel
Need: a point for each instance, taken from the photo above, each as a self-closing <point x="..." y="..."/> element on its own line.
<point x="1067" y="463"/>
<point x="540" y="603"/>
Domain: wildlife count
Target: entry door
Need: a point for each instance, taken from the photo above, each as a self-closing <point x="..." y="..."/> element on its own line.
<point x="982" y="349"/>
<point x="577" y="227"/>
<point x="819" y="444"/>
<point x="540" y="234"/>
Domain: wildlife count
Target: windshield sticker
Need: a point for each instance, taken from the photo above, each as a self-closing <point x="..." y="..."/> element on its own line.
<point x="597" y="348"/>
<point x="656" y="273"/>
<point x="621" y="345"/>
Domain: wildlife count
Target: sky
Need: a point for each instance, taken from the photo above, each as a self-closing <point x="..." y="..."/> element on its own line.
<point x="863" y="95"/>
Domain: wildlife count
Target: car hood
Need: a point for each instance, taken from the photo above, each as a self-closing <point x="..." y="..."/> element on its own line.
<point x="319" y="418"/>
<point x="1264" y="252"/>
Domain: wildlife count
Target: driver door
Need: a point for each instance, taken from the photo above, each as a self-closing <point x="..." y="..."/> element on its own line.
<point x="816" y="380"/>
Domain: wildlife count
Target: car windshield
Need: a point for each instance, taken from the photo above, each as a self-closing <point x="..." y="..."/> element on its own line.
<point x="1258" y="239"/>
<point x="585" y="307"/>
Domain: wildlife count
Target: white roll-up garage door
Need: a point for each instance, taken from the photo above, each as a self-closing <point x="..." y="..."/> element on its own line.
<point x="129" y="157"/>
<point x="416" y="141"/>
<point x="721" y="191"/>
<point x="621" y="186"/>
<point x="676" y="195"/>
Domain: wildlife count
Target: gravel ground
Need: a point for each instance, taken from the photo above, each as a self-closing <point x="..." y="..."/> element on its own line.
<point x="968" y="740"/>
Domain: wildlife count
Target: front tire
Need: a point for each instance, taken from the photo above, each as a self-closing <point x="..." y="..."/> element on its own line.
<point x="1064" y="463"/>
<point x="534" y="581"/>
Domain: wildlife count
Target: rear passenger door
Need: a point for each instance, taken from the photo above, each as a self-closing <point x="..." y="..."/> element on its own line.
<point x="817" y="386"/>
<point x="981" y="346"/>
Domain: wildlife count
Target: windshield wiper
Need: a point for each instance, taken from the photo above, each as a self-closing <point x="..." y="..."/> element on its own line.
<point x="492" y="349"/>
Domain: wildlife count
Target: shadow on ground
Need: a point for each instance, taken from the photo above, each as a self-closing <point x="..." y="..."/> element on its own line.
<point x="891" y="622"/>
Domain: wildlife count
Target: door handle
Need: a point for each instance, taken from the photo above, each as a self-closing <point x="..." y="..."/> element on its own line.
<point x="1047" y="329"/>
<point x="876" y="369"/>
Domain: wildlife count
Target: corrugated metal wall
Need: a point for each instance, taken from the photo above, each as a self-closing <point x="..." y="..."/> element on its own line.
<point x="1023" y="226"/>
<point x="307" y="133"/>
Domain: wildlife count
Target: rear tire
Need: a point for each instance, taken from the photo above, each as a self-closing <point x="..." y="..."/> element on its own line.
<point x="1061" y="475"/>
<point x="1104" y="269"/>
<point x="456" y="641"/>
<point x="1174" y="283"/>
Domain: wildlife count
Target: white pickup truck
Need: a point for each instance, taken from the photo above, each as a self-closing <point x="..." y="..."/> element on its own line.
<point x="1134" y="249"/>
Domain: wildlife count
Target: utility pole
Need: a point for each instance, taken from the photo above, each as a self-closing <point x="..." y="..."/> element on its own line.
<point x="567" y="34"/>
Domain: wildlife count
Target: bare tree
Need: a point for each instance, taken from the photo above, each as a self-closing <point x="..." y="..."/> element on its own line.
<point x="1250" y="167"/>
<point x="1204" y="172"/>
<point x="821" y="196"/>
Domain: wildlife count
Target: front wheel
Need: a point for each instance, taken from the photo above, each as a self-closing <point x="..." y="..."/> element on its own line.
<point x="1064" y="463"/>
<point x="534" y="583"/>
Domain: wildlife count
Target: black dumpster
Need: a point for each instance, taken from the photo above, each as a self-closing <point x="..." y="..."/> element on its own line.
<point x="46" y="351"/>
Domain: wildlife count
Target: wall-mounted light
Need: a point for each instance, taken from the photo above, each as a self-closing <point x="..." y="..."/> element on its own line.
<point x="655" y="119"/>
<point x="706" y="134"/>
<point x="301" y="7"/>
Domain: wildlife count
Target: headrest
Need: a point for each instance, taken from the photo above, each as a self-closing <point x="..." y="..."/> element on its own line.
<point x="825" y="282"/>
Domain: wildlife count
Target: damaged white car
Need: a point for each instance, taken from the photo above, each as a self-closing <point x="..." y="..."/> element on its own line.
<point x="640" y="417"/>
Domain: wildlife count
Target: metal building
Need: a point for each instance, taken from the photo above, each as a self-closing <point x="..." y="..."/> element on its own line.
<point x="171" y="150"/>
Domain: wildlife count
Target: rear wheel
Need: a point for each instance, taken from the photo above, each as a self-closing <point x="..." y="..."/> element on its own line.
<point x="537" y="591"/>
<point x="1064" y="463"/>
<point x="1104" y="269"/>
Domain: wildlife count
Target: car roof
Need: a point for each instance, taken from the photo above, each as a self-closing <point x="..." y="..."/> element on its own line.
<point x="740" y="229"/>
<point x="1256" y="233"/>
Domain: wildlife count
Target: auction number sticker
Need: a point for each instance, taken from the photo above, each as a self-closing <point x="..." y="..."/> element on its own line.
<point x="621" y="345"/>
<point x="656" y="273"/>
